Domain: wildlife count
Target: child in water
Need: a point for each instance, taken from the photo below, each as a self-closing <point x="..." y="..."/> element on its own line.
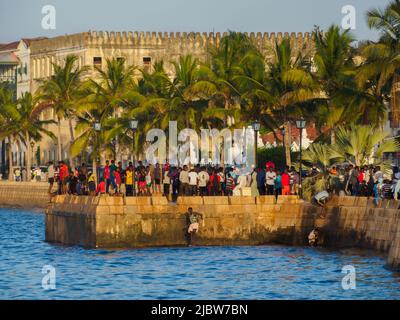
<point x="313" y="237"/>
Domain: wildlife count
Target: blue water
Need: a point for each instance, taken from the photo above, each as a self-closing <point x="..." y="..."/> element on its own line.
<point x="261" y="272"/>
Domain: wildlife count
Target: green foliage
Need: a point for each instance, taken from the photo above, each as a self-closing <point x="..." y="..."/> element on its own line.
<point x="276" y="155"/>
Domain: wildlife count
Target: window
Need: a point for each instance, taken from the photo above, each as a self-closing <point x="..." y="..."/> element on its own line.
<point x="97" y="61"/>
<point x="147" y="64"/>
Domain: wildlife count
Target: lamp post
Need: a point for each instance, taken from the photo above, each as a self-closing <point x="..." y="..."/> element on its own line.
<point x="256" y="128"/>
<point x="32" y="157"/>
<point x="283" y="141"/>
<point x="114" y="144"/>
<point x="97" y="128"/>
<point x="301" y="124"/>
<point x="133" y="124"/>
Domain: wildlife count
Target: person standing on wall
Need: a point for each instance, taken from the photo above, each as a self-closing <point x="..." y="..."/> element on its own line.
<point x="50" y="176"/>
<point x="193" y="180"/>
<point x="285" y="183"/>
<point x="261" y="180"/>
<point x="203" y="180"/>
<point x="107" y="176"/>
<point x="270" y="180"/>
<point x="129" y="180"/>
<point x="184" y="181"/>
<point x="278" y="184"/>
<point x="166" y="182"/>
<point x="215" y="181"/>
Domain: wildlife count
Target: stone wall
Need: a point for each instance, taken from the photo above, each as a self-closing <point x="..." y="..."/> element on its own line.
<point x="357" y="222"/>
<point x="24" y="194"/>
<point x="145" y="221"/>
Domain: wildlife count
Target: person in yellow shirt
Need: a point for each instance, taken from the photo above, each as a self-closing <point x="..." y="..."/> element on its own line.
<point x="129" y="180"/>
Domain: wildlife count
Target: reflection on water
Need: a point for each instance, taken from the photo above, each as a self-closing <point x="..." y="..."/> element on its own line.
<point x="263" y="272"/>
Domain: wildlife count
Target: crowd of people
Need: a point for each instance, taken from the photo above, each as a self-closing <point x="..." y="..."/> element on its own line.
<point x="165" y="179"/>
<point x="146" y="180"/>
<point x="365" y="181"/>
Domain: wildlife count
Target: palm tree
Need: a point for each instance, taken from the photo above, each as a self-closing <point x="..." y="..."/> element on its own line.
<point x="184" y="99"/>
<point x="290" y="83"/>
<point x="380" y="70"/>
<point x="60" y="92"/>
<point x="364" y="144"/>
<point x="30" y="125"/>
<point x="87" y="137"/>
<point x="110" y="88"/>
<point x="22" y="125"/>
<point x="334" y="65"/>
<point x="320" y="156"/>
<point x="9" y="128"/>
<point x="225" y="65"/>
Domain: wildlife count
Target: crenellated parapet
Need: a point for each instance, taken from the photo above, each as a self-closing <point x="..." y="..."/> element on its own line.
<point x="179" y="42"/>
<point x="134" y="46"/>
<point x="78" y="40"/>
<point x="189" y="39"/>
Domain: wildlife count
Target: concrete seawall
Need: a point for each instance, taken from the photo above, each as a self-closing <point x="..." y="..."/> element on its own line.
<point x="357" y="222"/>
<point x="24" y="194"/>
<point x="144" y="221"/>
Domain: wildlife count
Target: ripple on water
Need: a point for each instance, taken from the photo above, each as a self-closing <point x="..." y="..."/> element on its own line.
<point x="262" y="272"/>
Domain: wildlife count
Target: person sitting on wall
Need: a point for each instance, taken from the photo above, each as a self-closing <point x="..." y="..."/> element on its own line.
<point x="101" y="187"/>
<point x="313" y="237"/>
<point x="91" y="184"/>
<point x="321" y="198"/>
<point x="193" y="219"/>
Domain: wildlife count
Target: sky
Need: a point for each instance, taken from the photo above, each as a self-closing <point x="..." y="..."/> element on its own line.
<point x="23" y="18"/>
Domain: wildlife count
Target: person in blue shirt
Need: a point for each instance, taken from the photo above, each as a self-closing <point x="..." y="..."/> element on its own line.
<point x="278" y="183"/>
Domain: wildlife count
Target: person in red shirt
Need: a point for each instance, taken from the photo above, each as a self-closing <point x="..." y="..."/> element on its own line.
<point x="101" y="187"/>
<point x="63" y="177"/>
<point x="66" y="177"/>
<point x="361" y="176"/>
<point x="117" y="180"/>
<point x="106" y="175"/>
<point x="285" y="183"/>
<point x="215" y="184"/>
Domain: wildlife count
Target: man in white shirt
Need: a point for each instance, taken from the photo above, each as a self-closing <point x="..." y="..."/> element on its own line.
<point x="203" y="180"/>
<point x="270" y="181"/>
<point x="192" y="177"/>
<point x="184" y="181"/>
<point x="378" y="174"/>
<point x="50" y="176"/>
<point x="241" y="184"/>
<point x="321" y="198"/>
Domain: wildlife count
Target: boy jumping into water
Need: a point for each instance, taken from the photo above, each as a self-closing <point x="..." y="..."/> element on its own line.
<point x="193" y="219"/>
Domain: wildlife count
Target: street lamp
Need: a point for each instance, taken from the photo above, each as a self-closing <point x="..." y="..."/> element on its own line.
<point x="256" y="128"/>
<point x="283" y="141"/>
<point x="33" y="157"/>
<point x="300" y="124"/>
<point x="114" y="144"/>
<point x="133" y="124"/>
<point x="97" y="128"/>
